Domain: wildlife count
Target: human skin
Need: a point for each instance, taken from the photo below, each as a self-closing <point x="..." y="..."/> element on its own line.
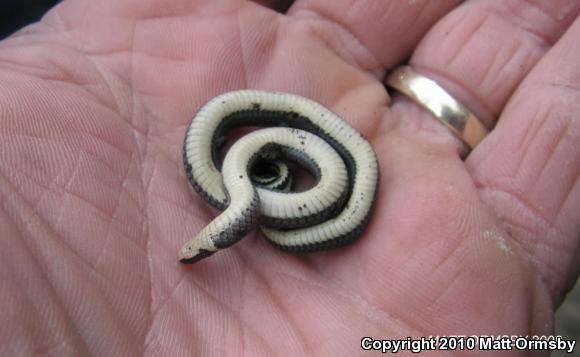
<point x="94" y="202"/>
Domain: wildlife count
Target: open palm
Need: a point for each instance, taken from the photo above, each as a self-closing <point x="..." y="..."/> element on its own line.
<point x="94" y="102"/>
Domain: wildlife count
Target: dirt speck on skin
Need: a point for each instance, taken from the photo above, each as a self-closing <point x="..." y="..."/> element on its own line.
<point x="498" y="237"/>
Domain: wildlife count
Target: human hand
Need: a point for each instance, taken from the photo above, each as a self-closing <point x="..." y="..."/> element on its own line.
<point x="94" y="103"/>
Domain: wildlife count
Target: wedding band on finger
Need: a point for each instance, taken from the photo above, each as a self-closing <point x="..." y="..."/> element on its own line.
<point x="442" y="105"/>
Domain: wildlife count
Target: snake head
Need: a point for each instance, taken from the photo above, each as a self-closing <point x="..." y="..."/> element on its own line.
<point x="192" y="252"/>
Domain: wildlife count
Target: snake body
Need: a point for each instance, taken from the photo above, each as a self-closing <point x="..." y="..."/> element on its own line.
<point x="332" y="213"/>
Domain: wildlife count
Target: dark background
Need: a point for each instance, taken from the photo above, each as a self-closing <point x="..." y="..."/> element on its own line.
<point x="15" y="14"/>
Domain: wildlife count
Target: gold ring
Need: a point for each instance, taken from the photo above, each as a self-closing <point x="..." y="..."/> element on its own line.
<point x="427" y="93"/>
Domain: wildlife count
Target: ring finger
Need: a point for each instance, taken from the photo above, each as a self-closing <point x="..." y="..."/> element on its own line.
<point x="481" y="51"/>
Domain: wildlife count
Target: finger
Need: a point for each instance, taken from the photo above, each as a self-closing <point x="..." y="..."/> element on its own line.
<point x="379" y="33"/>
<point x="482" y="50"/>
<point x="529" y="169"/>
